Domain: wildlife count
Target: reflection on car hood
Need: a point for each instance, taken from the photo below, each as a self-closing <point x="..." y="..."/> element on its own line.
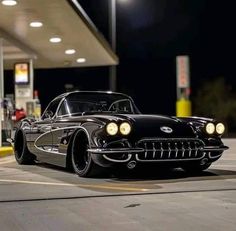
<point x="159" y="126"/>
<point x="145" y="125"/>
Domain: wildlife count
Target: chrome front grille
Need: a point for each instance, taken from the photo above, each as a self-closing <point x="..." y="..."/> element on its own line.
<point x="170" y="149"/>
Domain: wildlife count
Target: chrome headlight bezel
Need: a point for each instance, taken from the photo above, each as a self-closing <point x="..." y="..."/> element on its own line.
<point x="210" y="128"/>
<point x="112" y="128"/>
<point x="220" y="128"/>
<point x="125" y="128"/>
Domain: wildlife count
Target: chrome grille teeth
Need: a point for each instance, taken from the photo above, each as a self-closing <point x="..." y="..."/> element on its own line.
<point x="189" y="148"/>
<point x="145" y="144"/>
<point x="195" y="148"/>
<point x="170" y="149"/>
<point x="183" y="149"/>
<point x="162" y="150"/>
<point x="154" y="150"/>
<point x="176" y="150"/>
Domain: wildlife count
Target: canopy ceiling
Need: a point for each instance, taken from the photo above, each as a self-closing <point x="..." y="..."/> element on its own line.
<point x="63" y="18"/>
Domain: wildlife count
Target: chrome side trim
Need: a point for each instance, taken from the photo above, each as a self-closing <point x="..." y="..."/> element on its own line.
<point x="51" y="152"/>
<point x="63" y="128"/>
<point x="117" y="161"/>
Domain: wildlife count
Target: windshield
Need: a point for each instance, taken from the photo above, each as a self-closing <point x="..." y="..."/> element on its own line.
<point x="96" y="102"/>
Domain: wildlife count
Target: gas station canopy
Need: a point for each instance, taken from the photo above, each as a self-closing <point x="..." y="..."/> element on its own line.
<point x="62" y="19"/>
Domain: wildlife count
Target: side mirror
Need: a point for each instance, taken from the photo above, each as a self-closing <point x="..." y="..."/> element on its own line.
<point x="48" y="114"/>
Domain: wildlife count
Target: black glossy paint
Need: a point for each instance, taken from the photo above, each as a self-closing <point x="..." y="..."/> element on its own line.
<point x="50" y="138"/>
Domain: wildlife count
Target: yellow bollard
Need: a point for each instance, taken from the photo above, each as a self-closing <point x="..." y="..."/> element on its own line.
<point x="5" y="151"/>
<point x="183" y="108"/>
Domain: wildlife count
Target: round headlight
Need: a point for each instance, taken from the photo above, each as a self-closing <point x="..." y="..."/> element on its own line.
<point x="125" y="128"/>
<point x="112" y="128"/>
<point x="210" y="128"/>
<point x="220" y="128"/>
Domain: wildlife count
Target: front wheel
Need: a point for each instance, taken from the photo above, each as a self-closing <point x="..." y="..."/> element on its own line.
<point x="22" y="154"/>
<point x="196" y="168"/>
<point x="81" y="159"/>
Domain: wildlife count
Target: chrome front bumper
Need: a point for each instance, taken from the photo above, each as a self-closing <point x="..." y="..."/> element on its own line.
<point x="138" y="150"/>
<point x="115" y="150"/>
<point x="181" y="154"/>
<point x="214" y="148"/>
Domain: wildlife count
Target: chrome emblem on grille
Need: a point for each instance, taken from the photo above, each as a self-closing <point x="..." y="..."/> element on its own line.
<point x="166" y="129"/>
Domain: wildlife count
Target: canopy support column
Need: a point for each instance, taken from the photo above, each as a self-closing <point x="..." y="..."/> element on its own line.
<point x="1" y="88"/>
<point x="112" y="22"/>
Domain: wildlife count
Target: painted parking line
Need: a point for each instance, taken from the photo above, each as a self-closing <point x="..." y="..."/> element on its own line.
<point x="75" y="185"/>
<point x="223" y="165"/>
<point x="7" y="161"/>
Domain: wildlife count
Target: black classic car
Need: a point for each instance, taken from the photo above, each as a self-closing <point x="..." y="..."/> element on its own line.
<point x="90" y="131"/>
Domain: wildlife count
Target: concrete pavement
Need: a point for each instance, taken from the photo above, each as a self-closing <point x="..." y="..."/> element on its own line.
<point x="44" y="197"/>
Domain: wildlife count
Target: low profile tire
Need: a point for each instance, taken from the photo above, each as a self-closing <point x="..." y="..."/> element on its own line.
<point x="22" y="154"/>
<point x="196" y="168"/>
<point x="81" y="159"/>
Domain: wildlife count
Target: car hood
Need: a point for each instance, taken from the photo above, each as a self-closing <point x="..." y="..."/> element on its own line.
<point x="145" y="125"/>
<point x="159" y="126"/>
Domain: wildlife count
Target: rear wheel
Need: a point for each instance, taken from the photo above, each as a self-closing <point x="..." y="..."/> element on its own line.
<point x="22" y="154"/>
<point x="81" y="159"/>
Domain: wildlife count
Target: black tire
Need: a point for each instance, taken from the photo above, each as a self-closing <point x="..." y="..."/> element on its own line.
<point x="81" y="159"/>
<point x="196" y="168"/>
<point x="22" y="154"/>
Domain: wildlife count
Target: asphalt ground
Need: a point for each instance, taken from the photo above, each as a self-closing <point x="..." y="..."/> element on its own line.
<point x="44" y="197"/>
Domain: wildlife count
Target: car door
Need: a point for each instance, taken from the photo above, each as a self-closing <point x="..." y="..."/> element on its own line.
<point x="44" y="141"/>
<point x="41" y="135"/>
<point x="58" y="129"/>
<point x="62" y="128"/>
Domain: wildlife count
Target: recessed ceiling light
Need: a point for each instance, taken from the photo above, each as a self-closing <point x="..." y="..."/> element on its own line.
<point x="70" y="51"/>
<point x="55" y="40"/>
<point x="81" y="60"/>
<point x="36" y="24"/>
<point x="67" y="63"/>
<point x="9" y="2"/>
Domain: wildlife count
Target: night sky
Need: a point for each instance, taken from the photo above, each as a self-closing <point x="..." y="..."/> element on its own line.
<point x="150" y="33"/>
